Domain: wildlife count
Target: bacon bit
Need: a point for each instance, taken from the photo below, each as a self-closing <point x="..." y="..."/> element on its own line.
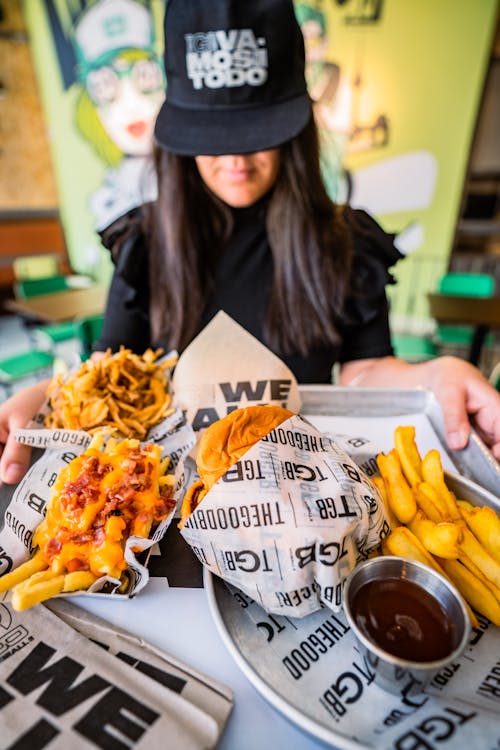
<point x="53" y="547"/>
<point x="141" y="482"/>
<point x="80" y="537"/>
<point x="132" y="498"/>
<point x="127" y="497"/>
<point x="76" y="564"/>
<point x="162" y="509"/>
<point x="129" y="466"/>
<point x="99" y="535"/>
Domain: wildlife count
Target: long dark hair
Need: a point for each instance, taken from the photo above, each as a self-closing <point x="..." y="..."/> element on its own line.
<point x="309" y="240"/>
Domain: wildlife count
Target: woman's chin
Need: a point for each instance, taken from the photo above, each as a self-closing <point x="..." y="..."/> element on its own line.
<point x="241" y="197"/>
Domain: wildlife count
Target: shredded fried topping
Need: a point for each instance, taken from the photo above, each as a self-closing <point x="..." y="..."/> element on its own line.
<point x="125" y="391"/>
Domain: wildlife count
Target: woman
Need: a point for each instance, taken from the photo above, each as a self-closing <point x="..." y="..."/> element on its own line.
<point x="243" y="223"/>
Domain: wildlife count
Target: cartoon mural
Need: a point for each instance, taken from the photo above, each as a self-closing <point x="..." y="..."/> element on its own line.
<point x="337" y="112"/>
<point x="331" y="97"/>
<point x="381" y="102"/>
<point x="121" y="80"/>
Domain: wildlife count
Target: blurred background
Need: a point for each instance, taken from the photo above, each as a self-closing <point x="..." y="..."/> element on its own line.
<point x="407" y="100"/>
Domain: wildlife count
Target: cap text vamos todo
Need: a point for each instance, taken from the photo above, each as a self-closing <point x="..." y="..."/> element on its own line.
<point x="220" y="59"/>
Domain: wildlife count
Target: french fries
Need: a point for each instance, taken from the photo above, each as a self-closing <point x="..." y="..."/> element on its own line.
<point x="432" y="471"/>
<point x="429" y="502"/>
<point x="399" y="494"/>
<point x="484" y="524"/>
<point x="116" y="489"/>
<point x="457" y="539"/>
<point x="382" y="490"/>
<point x="19" y="574"/>
<point x="475" y="551"/>
<point x="404" y="543"/>
<point x="473" y="590"/>
<point x="407" y="453"/>
<point x="39" y="587"/>
<point x="441" y="539"/>
<point x="123" y="391"/>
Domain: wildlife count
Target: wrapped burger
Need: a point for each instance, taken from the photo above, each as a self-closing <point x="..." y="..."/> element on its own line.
<point x="279" y="510"/>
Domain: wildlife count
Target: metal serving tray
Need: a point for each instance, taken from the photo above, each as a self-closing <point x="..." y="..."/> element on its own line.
<point x="261" y="667"/>
<point x="473" y="465"/>
<point x="475" y="462"/>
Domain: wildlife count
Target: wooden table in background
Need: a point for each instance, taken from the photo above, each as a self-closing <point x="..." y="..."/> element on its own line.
<point x="481" y="312"/>
<point x="60" y="306"/>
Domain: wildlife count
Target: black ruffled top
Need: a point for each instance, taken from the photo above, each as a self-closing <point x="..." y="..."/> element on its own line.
<point x="242" y="283"/>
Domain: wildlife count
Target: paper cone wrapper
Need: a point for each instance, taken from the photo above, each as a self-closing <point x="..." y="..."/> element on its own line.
<point x="27" y="507"/>
<point x="225" y="368"/>
<point x="289" y="521"/>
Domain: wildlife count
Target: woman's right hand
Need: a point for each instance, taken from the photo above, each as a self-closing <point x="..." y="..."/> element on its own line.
<point x="15" y="413"/>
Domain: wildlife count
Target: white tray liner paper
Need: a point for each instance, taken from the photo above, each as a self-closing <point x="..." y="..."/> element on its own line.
<point x="316" y="663"/>
<point x="27" y="507"/>
<point x="289" y="521"/>
<point x="72" y="681"/>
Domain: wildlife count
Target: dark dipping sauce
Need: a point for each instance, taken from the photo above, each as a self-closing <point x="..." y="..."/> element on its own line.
<point x="403" y="619"/>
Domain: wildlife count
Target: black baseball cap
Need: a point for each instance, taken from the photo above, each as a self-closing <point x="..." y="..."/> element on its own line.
<point x="235" y="77"/>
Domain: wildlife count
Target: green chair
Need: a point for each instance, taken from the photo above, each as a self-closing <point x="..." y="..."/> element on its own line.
<point x="87" y="331"/>
<point x="462" y="285"/>
<point x="46" y="336"/>
<point x="467" y="284"/>
<point x="413" y="348"/>
<point x="46" y="285"/>
<point x="31" y="363"/>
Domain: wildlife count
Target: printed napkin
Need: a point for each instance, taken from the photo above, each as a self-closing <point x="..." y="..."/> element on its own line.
<point x="70" y="680"/>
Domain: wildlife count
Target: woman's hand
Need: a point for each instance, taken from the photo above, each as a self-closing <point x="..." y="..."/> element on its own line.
<point x="462" y="391"/>
<point x="16" y="413"/>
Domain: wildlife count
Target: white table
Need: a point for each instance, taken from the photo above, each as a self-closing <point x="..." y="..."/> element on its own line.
<point x="178" y="620"/>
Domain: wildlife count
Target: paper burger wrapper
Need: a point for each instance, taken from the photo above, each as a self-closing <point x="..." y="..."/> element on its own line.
<point x="289" y="521"/>
<point x="225" y="368"/>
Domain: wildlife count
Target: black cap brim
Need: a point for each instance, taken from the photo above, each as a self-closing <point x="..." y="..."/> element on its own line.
<point x="215" y="132"/>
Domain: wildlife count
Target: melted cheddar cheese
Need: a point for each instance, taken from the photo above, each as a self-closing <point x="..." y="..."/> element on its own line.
<point x="99" y="500"/>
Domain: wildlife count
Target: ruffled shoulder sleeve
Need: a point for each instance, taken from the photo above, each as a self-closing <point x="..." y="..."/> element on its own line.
<point x="126" y="321"/>
<point x="124" y="238"/>
<point x="374" y="253"/>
